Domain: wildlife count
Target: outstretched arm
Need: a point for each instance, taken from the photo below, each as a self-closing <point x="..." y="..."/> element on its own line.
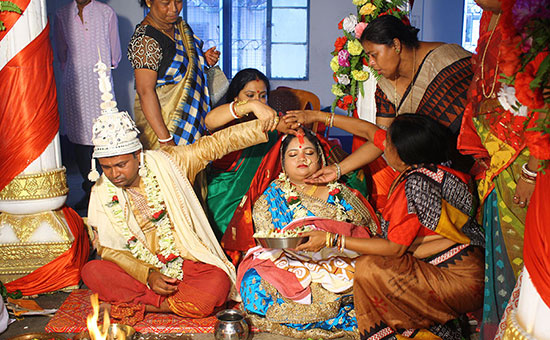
<point x="366" y="246"/>
<point x="223" y="114"/>
<point x="194" y="157"/>
<point x="355" y="126"/>
<point x="367" y="153"/>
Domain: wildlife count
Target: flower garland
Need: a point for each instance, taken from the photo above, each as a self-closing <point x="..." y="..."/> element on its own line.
<point x="350" y="60"/>
<point x="525" y="62"/>
<point x="168" y="260"/>
<point x="295" y="203"/>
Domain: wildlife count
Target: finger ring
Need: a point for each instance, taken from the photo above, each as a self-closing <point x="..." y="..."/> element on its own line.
<point x="516" y="198"/>
<point x="520" y="203"/>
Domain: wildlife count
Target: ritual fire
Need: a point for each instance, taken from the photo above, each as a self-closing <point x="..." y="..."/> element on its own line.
<point x="95" y="332"/>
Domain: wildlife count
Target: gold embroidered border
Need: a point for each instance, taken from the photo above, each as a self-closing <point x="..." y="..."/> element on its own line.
<point x="25" y="225"/>
<point x="36" y="186"/>
<point x="19" y="259"/>
<point x="514" y="331"/>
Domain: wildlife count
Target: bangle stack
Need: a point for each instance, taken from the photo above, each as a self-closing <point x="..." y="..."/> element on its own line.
<point x="335" y="240"/>
<point x="233" y="109"/>
<point x="166" y="140"/>
<point x="338" y="171"/>
<point x="329" y="119"/>
<point x="527" y="175"/>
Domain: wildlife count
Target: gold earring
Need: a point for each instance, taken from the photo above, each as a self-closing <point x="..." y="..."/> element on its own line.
<point x="397" y="50"/>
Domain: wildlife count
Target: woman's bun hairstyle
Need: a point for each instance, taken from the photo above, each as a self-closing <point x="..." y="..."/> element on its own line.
<point x="385" y="28"/>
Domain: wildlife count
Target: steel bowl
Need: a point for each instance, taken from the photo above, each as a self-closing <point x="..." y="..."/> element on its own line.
<point x="280" y="242"/>
<point x="117" y="331"/>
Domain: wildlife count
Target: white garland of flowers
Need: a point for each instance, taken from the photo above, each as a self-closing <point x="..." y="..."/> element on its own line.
<point x="297" y="208"/>
<point x="164" y="234"/>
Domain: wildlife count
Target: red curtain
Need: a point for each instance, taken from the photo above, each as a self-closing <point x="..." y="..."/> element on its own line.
<point x="62" y="272"/>
<point x="29" y="118"/>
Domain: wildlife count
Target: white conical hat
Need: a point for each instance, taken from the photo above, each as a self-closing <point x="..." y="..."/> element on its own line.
<point x="114" y="133"/>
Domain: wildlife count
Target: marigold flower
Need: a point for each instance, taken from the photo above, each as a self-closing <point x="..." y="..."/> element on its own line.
<point x="359" y="2"/>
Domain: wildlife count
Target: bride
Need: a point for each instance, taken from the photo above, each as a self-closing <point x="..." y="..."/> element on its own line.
<point x="295" y="293"/>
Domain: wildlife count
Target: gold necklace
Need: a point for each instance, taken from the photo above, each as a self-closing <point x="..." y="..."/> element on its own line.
<point x="491" y="93"/>
<point x="309" y="192"/>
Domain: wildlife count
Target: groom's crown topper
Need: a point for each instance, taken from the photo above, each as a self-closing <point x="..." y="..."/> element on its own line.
<point x="114" y="133"/>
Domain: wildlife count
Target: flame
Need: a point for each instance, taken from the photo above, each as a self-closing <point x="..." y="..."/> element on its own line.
<point x="91" y="321"/>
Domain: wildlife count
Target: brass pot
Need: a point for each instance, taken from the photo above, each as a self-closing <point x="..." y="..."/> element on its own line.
<point x="117" y="331"/>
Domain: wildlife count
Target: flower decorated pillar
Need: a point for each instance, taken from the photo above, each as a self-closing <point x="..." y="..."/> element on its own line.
<point x="42" y="245"/>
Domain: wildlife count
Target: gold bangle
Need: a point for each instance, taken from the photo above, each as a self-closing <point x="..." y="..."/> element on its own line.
<point x="331" y="123"/>
<point x="327" y="119"/>
<point x="527" y="180"/>
<point x="237" y="105"/>
<point x="327" y="240"/>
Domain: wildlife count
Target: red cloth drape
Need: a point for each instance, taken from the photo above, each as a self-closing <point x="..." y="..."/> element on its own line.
<point x="536" y="244"/>
<point x="62" y="272"/>
<point x="9" y="18"/>
<point x="29" y="118"/>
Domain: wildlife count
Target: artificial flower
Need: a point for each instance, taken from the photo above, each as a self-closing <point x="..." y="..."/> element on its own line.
<point x="524" y="93"/>
<point x="340" y="43"/>
<point x="347" y="100"/>
<point x="334" y="192"/>
<point x="367" y="9"/>
<point x="509" y="102"/>
<point x="334" y="64"/>
<point x="355" y="47"/>
<point x="359" y="2"/>
<point x="341" y="24"/>
<point x="359" y="28"/>
<point x="336" y="90"/>
<point x="360" y="75"/>
<point x="343" y="79"/>
<point x="158" y="215"/>
<point x="343" y="60"/>
<point x="349" y="23"/>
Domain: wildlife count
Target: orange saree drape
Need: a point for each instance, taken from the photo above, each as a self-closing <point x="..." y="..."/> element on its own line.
<point x="29" y="118"/>
<point x="62" y="272"/>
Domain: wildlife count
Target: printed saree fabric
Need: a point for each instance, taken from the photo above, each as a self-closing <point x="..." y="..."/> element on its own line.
<point x="303" y="294"/>
<point x="414" y="297"/>
<point x="182" y="92"/>
<point x="504" y="141"/>
<point x="439" y="90"/>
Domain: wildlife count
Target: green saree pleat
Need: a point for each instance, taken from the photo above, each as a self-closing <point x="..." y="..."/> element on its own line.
<point x="226" y="189"/>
